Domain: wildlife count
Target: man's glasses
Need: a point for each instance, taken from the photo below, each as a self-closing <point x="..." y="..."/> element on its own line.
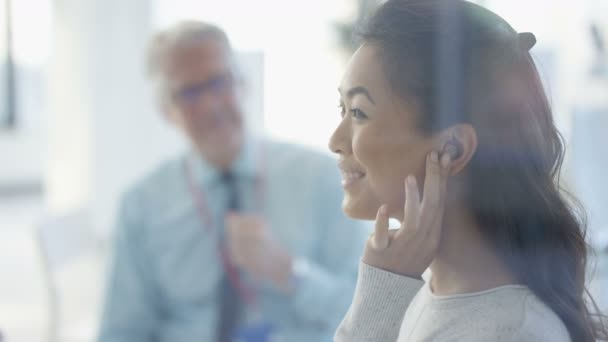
<point x="216" y="85"/>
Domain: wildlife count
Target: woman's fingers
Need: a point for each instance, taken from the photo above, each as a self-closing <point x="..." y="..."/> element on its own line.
<point x="381" y="234"/>
<point x="436" y="222"/>
<point x="412" y="205"/>
<point x="411" y="249"/>
<point x="431" y="198"/>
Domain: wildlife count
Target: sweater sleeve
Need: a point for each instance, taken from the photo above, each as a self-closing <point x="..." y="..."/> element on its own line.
<point x="379" y="304"/>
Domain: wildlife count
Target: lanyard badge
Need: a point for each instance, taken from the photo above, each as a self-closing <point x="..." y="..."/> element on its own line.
<point x="254" y="328"/>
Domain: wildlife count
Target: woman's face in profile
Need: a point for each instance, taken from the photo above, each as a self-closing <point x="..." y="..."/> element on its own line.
<point x="377" y="141"/>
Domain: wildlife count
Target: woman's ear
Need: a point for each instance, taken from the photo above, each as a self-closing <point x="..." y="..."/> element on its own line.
<point x="460" y="142"/>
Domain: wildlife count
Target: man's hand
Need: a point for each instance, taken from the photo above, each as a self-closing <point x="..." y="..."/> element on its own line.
<point x="253" y="248"/>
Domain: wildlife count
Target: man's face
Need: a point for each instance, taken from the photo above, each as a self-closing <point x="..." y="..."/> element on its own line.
<point x="204" y="100"/>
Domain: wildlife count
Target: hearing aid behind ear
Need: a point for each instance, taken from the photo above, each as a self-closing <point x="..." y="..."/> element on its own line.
<point x="453" y="148"/>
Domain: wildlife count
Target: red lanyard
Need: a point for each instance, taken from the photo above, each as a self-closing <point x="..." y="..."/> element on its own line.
<point x="245" y="292"/>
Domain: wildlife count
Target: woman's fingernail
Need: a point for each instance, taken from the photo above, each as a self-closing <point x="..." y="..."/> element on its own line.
<point x="434" y="157"/>
<point x="410" y="180"/>
<point x="445" y="160"/>
<point x="383" y="209"/>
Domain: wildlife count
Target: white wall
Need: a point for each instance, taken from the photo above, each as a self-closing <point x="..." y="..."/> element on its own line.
<point x="20" y="157"/>
<point x="103" y="129"/>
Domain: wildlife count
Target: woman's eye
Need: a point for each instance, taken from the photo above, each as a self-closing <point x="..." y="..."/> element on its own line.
<point x="358" y="114"/>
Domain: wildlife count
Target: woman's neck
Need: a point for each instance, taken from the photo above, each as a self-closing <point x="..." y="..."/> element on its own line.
<point x="465" y="262"/>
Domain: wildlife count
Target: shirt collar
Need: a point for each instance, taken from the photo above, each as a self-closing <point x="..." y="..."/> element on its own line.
<point x="243" y="167"/>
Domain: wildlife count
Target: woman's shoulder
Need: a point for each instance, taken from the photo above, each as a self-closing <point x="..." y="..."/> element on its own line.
<point x="527" y="318"/>
<point x="540" y="323"/>
<point x="508" y="313"/>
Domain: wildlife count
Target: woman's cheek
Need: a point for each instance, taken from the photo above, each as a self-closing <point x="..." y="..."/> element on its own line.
<point x="367" y="148"/>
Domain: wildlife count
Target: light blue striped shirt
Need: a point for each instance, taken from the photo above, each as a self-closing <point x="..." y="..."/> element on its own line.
<point x="165" y="277"/>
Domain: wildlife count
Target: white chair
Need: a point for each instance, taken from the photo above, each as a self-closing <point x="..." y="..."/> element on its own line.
<point x="64" y="242"/>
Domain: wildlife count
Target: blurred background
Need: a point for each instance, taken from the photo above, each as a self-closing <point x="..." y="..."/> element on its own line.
<point x="78" y="123"/>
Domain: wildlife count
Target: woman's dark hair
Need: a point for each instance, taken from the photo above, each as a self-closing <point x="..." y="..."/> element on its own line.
<point x="460" y="63"/>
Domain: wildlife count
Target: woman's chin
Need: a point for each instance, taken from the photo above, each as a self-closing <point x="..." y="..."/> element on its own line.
<point x="359" y="211"/>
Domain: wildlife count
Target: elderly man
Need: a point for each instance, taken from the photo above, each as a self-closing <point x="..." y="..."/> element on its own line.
<point x="240" y="239"/>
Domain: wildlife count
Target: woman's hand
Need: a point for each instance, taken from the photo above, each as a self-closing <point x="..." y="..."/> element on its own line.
<point x="410" y="249"/>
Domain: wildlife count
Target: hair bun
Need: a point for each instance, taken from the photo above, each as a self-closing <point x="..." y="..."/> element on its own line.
<point x="527" y="40"/>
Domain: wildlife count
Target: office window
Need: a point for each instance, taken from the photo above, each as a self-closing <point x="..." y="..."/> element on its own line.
<point x="25" y="27"/>
<point x="7" y="70"/>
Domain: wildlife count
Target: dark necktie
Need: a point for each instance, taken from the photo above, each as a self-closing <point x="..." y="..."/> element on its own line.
<point x="230" y="303"/>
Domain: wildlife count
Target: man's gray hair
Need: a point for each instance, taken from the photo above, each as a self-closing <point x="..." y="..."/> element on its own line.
<point x="182" y="33"/>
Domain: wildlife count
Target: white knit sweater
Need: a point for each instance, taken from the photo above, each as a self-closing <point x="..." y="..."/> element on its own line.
<point x="389" y="307"/>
